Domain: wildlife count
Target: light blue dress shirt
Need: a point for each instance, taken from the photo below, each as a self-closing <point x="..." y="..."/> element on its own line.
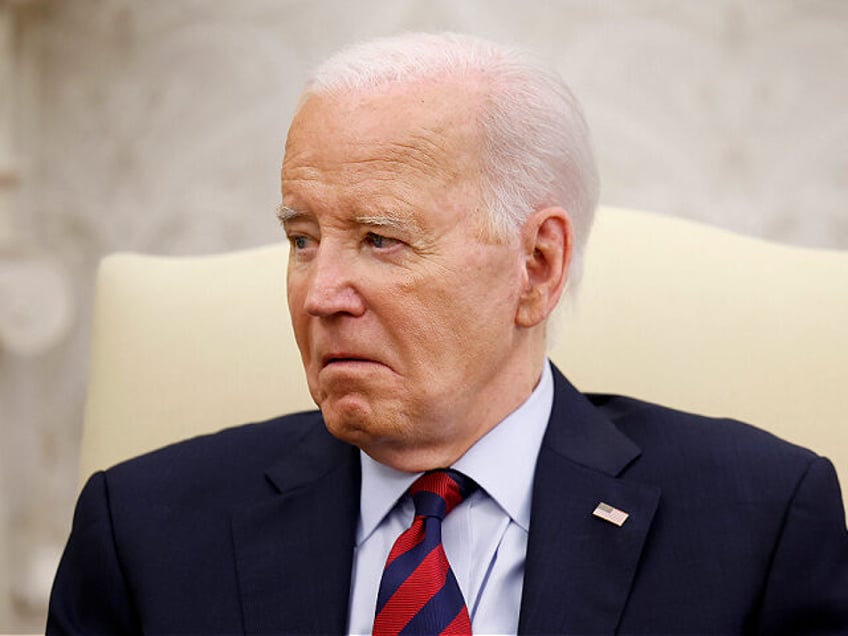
<point x="485" y="537"/>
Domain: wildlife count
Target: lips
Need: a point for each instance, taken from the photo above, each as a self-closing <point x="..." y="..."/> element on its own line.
<point x="335" y="358"/>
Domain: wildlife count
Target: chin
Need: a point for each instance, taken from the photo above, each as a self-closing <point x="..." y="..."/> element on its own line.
<point x="356" y="424"/>
<point x="350" y="420"/>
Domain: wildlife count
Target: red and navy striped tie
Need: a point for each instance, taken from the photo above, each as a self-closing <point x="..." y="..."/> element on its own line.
<point x="418" y="592"/>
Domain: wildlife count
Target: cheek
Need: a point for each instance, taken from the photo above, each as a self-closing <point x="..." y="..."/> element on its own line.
<point x="484" y="313"/>
<point x="454" y="319"/>
<point x="295" y="295"/>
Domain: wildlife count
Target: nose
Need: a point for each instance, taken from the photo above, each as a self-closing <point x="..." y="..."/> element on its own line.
<point x="331" y="285"/>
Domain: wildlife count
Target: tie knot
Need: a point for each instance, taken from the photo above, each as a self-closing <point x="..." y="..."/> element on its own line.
<point x="438" y="492"/>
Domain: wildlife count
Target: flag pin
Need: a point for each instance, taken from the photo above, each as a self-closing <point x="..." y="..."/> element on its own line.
<point x="611" y="514"/>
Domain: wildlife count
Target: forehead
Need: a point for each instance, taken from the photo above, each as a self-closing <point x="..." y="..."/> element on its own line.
<point x="397" y="135"/>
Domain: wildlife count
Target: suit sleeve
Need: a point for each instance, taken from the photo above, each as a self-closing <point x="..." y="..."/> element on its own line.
<point x="807" y="588"/>
<point x="90" y="594"/>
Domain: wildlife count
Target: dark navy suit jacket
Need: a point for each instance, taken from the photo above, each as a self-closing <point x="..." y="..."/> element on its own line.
<point x="251" y="530"/>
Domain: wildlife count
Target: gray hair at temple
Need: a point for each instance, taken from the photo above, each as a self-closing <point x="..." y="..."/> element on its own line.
<point x="537" y="151"/>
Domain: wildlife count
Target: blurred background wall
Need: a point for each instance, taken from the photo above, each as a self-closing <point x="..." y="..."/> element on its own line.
<point x="157" y="126"/>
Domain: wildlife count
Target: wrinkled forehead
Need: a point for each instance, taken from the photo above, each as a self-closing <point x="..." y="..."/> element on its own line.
<point x="432" y="124"/>
<point x="466" y="90"/>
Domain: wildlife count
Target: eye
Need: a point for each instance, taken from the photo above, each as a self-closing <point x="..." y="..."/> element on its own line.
<point x="380" y="242"/>
<point x="299" y="242"/>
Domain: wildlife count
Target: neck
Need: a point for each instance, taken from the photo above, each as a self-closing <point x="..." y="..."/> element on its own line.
<point x="513" y="389"/>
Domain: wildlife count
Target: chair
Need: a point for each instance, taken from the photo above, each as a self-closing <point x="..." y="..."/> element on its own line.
<point x="669" y="310"/>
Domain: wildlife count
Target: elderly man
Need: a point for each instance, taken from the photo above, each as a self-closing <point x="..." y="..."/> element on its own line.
<point x="437" y="193"/>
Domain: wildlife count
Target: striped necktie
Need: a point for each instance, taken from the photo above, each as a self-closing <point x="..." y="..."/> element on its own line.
<point x="418" y="592"/>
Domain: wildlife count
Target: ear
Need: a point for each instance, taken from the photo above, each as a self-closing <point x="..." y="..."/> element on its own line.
<point x="547" y="240"/>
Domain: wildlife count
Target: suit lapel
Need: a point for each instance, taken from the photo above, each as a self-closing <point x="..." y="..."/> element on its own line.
<point x="579" y="568"/>
<point x="294" y="551"/>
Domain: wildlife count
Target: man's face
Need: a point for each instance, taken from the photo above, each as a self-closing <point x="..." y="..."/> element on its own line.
<point x="403" y="311"/>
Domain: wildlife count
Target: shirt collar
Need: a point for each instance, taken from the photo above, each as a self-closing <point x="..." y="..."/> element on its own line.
<point x="502" y="462"/>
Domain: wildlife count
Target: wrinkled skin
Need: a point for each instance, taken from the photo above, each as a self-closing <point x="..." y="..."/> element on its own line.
<point x="418" y="332"/>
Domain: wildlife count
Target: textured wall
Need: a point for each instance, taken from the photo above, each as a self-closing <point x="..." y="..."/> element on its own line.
<point x="157" y="126"/>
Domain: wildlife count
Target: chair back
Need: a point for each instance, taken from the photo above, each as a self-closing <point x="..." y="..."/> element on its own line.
<point x="669" y="310"/>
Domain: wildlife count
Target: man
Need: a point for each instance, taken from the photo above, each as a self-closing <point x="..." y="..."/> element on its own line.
<point x="437" y="193"/>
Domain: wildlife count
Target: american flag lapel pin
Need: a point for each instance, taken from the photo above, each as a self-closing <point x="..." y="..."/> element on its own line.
<point x="609" y="513"/>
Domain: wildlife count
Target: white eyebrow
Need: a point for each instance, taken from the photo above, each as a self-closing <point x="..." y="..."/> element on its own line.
<point x="285" y="214"/>
<point x="395" y="221"/>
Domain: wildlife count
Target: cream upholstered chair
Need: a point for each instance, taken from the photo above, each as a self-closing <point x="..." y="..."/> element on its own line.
<point x="669" y="310"/>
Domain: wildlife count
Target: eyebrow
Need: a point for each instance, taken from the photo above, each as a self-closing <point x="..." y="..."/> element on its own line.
<point x="396" y="221"/>
<point x="286" y="214"/>
<point x="388" y="219"/>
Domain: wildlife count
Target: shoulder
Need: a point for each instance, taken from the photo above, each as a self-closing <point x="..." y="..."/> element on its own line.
<point x="707" y="454"/>
<point x="230" y="462"/>
<point x="674" y="430"/>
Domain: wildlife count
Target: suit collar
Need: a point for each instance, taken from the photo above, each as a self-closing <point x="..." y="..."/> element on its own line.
<point x="292" y="556"/>
<point x="579" y="569"/>
<point x="579" y="431"/>
<point x="294" y="550"/>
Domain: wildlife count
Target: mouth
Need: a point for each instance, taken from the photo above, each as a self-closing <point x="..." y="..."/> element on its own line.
<point x="342" y="358"/>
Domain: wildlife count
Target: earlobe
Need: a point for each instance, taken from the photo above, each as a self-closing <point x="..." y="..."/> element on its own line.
<point x="547" y="239"/>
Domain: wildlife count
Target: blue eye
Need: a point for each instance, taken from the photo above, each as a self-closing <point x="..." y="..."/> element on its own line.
<point x="377" y="240"/>
<point x="380" y="242"/>
<point x="298" y="242"/>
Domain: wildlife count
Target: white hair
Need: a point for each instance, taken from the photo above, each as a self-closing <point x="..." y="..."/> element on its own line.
<point x="537" y="148"/>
